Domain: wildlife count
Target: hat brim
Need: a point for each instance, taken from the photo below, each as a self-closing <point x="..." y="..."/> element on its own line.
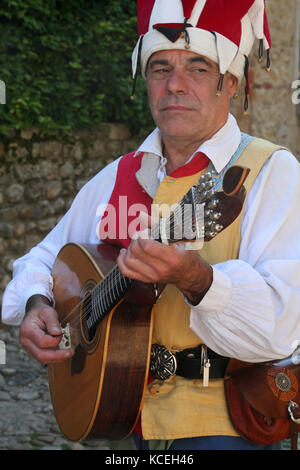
<point x="201" y="42"/>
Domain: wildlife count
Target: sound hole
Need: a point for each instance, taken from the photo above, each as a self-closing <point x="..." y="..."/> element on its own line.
<point x="86" y="313"/>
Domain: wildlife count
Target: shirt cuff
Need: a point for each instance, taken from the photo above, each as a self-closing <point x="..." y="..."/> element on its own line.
<point x="216" y="298"/>
<point x="36" y="289"/>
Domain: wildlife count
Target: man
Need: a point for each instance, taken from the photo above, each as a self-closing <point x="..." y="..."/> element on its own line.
<point x="239" y="294"/>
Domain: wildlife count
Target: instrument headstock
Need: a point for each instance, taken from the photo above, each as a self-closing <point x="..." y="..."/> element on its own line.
<point x="204" y="212"/>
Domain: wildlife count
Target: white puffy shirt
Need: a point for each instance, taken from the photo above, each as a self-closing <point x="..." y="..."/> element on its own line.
<point x="252" y="309"/>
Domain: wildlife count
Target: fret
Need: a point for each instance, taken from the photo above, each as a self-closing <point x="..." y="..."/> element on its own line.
<point x="93" y="319"/>
<point x="115" y="290"/>
<point x="110" y="284"/>
<point x="123" y="279"/>
<point x="99" y="299"/>
<point x="109" y="292"/>
<point x="93" y="312"/>
<point x="106" y="295"/>
<point x="99" y="302"/>
<point x="117" y="283"/>
<point x="103" y="292"/>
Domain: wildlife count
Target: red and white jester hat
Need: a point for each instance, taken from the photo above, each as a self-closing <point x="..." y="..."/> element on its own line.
<point x="222" y="30"/>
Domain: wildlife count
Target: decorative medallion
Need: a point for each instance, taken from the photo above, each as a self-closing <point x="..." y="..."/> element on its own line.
<point x="162" y="362"/>
<point x="283" y="383"/>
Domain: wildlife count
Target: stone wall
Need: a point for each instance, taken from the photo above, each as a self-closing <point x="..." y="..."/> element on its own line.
<point x="39" y="177"/>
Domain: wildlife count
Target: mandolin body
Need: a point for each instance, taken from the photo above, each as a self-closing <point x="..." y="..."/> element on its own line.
<point x="99" y="391"/>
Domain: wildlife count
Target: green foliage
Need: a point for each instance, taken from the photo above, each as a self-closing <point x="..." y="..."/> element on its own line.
<point x="68" y="64"/>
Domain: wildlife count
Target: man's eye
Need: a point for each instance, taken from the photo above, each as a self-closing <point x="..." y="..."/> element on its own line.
<point x="160" y="73"/>
<point x="161" y="70"/>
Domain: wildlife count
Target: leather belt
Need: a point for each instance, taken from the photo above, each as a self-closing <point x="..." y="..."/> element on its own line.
<point x="192" y="363"/>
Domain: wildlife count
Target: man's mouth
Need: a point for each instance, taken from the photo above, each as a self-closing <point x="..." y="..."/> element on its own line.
<point x="176" y="107"/>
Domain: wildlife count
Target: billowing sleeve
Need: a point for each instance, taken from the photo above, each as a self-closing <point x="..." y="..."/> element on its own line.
<point x="32" y="272"/>
<point x="252" y="310"/>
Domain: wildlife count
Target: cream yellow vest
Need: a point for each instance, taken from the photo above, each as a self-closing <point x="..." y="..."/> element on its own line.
<point x="179" y="407"/>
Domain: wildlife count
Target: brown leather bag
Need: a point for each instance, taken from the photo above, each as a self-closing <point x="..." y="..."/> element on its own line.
<point x="264" y="399"/>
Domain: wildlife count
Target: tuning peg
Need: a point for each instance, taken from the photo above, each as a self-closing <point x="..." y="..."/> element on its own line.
<point x="217" y="227"/>
<point x="210" y="214"/>
<point x="209" y="175"/>
<point x="215" y="215"/>
<point x="211" y="193"/>
<point x="212" y="229"/>
<point x="212" y="204"/>
<point x="202" y="185"/>
<point x="210" y="234"/>
<point x="202" y="181"/>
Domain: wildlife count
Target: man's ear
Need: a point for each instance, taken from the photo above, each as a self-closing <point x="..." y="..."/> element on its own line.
<point x="232" y="85"/>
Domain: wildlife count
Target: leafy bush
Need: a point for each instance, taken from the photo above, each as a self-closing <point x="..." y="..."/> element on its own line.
<point x="68" y="64"/>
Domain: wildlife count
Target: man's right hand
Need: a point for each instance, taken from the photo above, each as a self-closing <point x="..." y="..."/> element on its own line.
<point x="40" y="332"/>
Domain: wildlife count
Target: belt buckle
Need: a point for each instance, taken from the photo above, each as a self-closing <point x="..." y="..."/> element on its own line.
<point x="163" y="362"/>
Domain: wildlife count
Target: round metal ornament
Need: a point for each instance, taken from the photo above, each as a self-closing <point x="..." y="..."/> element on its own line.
<point x="162" y="362"/>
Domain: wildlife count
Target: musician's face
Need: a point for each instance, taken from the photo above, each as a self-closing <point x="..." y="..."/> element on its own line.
<point x="182" y="90"/>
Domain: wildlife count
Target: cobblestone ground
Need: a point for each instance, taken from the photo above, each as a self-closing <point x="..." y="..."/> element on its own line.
<point x="27" y="421"/>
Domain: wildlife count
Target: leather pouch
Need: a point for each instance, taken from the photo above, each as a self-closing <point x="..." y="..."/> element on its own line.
<point x="264" y="400"/>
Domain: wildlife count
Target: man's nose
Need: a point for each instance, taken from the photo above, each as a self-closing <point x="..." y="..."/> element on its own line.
<point x="176" y="82"/>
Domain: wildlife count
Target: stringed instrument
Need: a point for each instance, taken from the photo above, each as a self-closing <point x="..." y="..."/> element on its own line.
<point x="107" y="318"/>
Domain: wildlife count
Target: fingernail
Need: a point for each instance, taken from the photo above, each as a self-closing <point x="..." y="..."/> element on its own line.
<point x="56" y="329"/>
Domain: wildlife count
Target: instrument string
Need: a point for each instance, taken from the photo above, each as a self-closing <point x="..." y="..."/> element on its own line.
<point x="113" y="281"/>
<point x="114" y="277"/>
